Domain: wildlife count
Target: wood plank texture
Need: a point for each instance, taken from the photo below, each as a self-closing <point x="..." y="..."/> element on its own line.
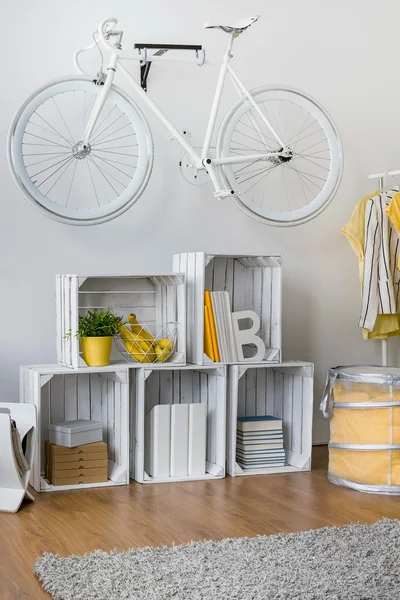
<point x="253" y="282"/>
<point x="155" y="299"/>
<point x="102" y="397"/>
<point x="135" y="516"/>
<point x="285" y="392"/>
<point x="182" y="386"/>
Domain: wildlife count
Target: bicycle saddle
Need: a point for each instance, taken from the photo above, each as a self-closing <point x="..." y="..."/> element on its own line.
<point x="239" y="25"/>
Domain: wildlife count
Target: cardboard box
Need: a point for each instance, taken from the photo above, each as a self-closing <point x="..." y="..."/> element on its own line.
<point x="71" y="466"/>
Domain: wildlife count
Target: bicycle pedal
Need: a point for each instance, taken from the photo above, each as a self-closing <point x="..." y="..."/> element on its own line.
<point x="225" y="193"/>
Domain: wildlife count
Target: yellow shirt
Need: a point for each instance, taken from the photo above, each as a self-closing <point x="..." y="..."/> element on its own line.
<point x="393" y="212"/>
<point x="354" y="230"/>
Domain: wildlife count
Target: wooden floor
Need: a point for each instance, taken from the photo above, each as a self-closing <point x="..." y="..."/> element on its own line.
<point x="138" y="515"/>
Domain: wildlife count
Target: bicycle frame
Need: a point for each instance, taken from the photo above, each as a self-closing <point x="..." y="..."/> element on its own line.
<point x="201" y="160"/>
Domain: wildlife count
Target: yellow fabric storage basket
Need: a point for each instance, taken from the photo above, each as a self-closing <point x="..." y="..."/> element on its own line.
<point x="363" y="404"/>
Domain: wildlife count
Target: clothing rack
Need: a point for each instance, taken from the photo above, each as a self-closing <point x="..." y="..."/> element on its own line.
<point x="381" y="177"/>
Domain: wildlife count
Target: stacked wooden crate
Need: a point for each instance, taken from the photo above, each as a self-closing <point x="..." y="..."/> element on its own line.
<point x="122" y="395"/>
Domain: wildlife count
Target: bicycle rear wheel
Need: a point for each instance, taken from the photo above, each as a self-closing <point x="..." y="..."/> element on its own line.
<point x="281" y="192"/>
<point x="70" y="184"/>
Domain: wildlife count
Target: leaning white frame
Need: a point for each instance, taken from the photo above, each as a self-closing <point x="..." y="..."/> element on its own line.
<point x="200" y="160"/>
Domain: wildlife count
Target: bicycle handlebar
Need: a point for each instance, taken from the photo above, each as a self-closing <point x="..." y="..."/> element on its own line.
<point x="104" y="29"/>
<point x="77" y="53"/>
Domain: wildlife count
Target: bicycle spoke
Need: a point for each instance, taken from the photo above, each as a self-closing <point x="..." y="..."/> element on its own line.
<point x="241" y="122"/>
<point x="117" y="162"/>
<point x="305" y="137"/>
<point x="259" y="170"/>
<point x="89" y="108"/>
<point x="101" y="173"/>
<point x="268" y="169"/>
<point x="56" y="171"/>
<point x="244" y="146"/>
<point x="45" y="140"/>
<point x="108" y="163"/>
<point x="105" y="118"/>
<point x="246" y="166"/>
<point x="305" y="176"/>
<point x="121" y="153"/>
<point x="122" y="137"/>
<point x="91" y="178"/>
<point x="72" y="181"/>
<point x="313" y="155"/>
<point x="252" y="138"/>
<point x="264" y="176"/>
<point x="293" y="138"/>
<point x="312" y="162"/>
<point x="316" y="144"/>
<point x="106" y="128"/>
<point x="116" y="131"/>
<point x="50" y="125"/>
<point x="108" y="173"/>
<point x="320" y="152"/>
<point x="303" y="184"/>
<point x="47" y="168"/>
<point x="53" y="154"/>
<point x="59" y="177"/>
<point x="63" y="120"/>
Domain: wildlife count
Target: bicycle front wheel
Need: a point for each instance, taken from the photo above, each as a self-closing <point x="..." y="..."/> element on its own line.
<point x="281" y="192"/>
<point x="75" y="185"/>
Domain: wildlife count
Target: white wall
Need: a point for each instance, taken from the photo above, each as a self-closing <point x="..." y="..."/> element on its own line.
<point x="342" y="53"/>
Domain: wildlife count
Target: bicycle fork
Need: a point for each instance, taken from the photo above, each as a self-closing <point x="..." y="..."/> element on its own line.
<point x="84" y="145"/>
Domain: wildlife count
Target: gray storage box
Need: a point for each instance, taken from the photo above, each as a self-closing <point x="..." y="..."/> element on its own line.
<point x="75" y="433"/>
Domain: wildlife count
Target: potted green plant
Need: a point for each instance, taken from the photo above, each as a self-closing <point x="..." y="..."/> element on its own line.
<point x="96" y="331"/>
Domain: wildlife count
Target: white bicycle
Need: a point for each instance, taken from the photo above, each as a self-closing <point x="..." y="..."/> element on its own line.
<point x="81" y="151"/>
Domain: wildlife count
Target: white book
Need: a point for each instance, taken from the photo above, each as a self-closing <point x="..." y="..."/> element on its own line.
<point x="216" y="305"/>
<point x="179" y="440"/>
<point x="229" y="328"/>
<point x="158" y="441"/>
<point x="221" y="304"/>
<point x="197" y="439"/>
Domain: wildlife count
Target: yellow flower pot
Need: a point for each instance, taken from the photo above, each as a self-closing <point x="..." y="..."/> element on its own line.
<point x="96" y="350"/>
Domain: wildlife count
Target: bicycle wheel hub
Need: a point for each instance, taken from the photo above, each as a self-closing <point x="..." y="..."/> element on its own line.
<point x="286" y="155"/>
<point x="81" y="150"/>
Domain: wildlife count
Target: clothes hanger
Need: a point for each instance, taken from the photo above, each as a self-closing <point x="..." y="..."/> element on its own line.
<point x="383" y="177"/>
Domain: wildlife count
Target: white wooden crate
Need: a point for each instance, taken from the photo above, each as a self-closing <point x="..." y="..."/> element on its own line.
<point x="176" y="385"/>
<point x="253" y="282"/>
<point x="284" y="390"/>
<point x="155" y="299"/>
<point x="93" y="393"/>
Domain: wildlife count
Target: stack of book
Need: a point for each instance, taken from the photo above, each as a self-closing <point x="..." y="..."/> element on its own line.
<point x="219" y="341"/>
<point x="259" y="442"/>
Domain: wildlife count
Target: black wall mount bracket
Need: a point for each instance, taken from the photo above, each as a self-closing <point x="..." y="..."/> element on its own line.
<point x="160" y="49"/>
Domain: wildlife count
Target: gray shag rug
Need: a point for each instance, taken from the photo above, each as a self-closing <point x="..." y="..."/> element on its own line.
<point x="356" y="562"/>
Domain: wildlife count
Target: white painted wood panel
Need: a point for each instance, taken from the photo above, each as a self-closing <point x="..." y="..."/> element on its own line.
<point x="283" y="390"/>
<point x="159" y="302"/>
<point x="182" y="385"/>
<point x="253" y="282"/>
<point x="60" y="393"/>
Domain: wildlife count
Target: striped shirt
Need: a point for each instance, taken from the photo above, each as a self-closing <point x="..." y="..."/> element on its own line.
<point x="380" y="288"/>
